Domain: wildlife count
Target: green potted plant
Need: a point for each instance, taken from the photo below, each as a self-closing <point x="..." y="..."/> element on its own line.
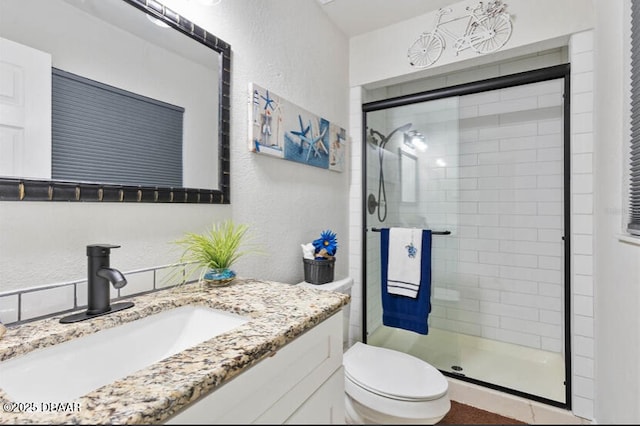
<point x="212" y="253"/>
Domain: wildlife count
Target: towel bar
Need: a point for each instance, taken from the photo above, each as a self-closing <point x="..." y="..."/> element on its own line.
<point x="432" y="232"/>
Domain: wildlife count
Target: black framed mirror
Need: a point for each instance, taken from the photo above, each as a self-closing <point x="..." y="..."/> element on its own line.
<point x="204" y="156"/>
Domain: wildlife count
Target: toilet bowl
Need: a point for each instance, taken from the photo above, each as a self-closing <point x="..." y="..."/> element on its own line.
<point x="385" y="386"/>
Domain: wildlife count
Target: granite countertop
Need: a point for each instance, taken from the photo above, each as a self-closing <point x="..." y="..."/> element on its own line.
<point x="278" y="313"/>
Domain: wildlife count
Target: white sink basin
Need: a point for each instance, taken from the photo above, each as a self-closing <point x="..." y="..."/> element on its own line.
<point x="63" y="372"/>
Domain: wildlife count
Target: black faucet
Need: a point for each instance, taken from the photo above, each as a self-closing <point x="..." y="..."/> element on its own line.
<point x="100" y="274"/>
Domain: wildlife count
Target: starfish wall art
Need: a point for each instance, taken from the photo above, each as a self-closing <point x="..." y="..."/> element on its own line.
<point x="281" y="129"/>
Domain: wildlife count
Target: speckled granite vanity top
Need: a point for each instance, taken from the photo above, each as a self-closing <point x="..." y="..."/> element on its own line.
<point x="279" y="313"/>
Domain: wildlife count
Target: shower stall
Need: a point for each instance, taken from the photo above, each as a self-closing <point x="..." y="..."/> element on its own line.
<point x="484" y="166"/>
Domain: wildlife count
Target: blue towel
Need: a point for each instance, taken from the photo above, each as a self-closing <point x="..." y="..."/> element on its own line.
<point x="401" y="311"/>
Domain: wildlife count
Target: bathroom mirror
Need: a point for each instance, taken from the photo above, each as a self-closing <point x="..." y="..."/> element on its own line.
<point x="178" y="63"/>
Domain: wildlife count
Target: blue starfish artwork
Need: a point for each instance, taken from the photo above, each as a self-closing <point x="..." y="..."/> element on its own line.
<point x="312" y="140"/>
<point x="268" y="102"/>
<point x="314" y="143"/>
<point x="303" y="130"/>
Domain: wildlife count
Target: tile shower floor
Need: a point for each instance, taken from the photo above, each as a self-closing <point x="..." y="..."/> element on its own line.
<point x="528" y="370"/>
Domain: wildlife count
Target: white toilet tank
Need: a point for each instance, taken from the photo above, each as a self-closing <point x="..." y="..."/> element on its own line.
<point x="341" y="286"/>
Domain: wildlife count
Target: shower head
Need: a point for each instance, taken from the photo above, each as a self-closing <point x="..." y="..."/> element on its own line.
<point x="415" y="140"/>
<point x="375" y="138"/>
<point x="403" y="128"/>
<point x="372" y="136"/>
<point x="380" y="205"/>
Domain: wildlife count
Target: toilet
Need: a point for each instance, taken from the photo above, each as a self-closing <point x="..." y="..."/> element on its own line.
<point x="385" y="386"/>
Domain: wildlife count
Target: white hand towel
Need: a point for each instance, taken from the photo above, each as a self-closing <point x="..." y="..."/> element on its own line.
<point x="404" y="268"/>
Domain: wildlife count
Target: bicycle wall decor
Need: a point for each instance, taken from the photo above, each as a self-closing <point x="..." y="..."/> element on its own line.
<point x="488" y="28"/>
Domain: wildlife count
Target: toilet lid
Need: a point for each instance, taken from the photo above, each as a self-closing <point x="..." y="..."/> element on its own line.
<point x="393" y="374"/>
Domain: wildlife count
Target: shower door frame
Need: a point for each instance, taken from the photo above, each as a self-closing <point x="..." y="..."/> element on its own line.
<point x="502" y="82"/>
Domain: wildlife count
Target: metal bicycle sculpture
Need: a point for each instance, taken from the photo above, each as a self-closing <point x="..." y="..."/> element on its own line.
<point x="487" y="30"/>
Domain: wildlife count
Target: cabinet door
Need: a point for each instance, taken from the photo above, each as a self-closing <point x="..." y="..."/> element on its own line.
<point x="325" y="406"/>
<point x="272" y="390"/>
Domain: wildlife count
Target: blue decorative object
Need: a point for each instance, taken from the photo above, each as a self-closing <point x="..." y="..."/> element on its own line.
<point x="268" y="101"/>
<point x="327" y="241"/>
<point x="314" y="144"/>
<point x="303" y="130"/>
<point x="219" y="276"/>
<point x="411" y="250"/>
<point x="284" y="130"/>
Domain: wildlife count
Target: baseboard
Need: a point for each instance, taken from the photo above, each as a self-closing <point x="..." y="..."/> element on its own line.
<point x="515" y="407"/>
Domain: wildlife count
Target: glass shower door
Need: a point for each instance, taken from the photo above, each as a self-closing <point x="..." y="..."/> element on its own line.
<point x="489" y="168"/>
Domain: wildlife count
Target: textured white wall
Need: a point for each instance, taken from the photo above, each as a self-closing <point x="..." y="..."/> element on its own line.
<point x="616" y="261"/>
<point x="533" y="21"/>
<point x="288" y="46"/>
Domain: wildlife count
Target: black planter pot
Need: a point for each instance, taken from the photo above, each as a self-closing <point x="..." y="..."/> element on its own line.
<point x="318" y="271"/>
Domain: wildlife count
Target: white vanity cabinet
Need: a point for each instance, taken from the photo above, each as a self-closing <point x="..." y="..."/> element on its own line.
<point x="301" y="383"/>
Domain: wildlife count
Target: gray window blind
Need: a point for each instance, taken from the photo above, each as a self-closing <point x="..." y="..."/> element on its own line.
<point x="104" y="134"/>
<point x="634" y="193"/>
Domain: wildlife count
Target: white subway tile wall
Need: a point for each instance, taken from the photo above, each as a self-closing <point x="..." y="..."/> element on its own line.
<point x="138" y="283"/>
<point x="82" y="293"/>
<point x="581" y="54"/>
<point x="355" y="213"/>
<point x="37" y="304"/>
<point x="9" y="309"/>
<point x="493" y="175"/>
